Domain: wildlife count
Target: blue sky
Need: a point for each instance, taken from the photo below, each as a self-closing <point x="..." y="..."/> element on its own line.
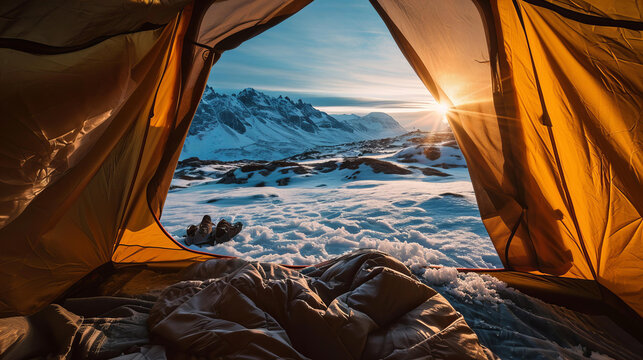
<point x="336" y="54"/>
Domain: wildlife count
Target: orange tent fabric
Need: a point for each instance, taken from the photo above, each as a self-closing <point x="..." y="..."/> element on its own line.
<point x="545" y="103"/>
<point x="94" y="129"/>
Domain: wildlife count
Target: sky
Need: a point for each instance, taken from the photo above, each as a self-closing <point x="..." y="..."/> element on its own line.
<point x="337" y="55"/>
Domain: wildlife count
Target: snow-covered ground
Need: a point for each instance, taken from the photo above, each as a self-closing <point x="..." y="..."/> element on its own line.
<point x="517" y="326"/>
<point x="408" y="196"/>
<point x="319" y="214"/>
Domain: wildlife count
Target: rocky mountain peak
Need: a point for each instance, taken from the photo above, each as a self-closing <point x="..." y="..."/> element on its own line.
<point x="274" y="125"/>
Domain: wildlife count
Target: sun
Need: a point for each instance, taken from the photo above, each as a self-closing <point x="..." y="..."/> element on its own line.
<point x="443" y="110"/>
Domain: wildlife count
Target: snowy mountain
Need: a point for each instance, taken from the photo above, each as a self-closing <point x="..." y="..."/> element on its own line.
<point x="253" y="125"/>
<point x="375" y="122"/>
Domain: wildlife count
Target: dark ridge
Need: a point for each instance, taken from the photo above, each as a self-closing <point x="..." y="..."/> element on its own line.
<point x="433" y="172"/>
<point x="378" y="166"/>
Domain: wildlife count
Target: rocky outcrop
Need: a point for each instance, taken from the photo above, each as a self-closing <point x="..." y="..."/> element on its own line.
<point x="378" y="166"/>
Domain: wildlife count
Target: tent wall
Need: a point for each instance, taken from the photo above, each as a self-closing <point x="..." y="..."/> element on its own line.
<point x="69" y="226"/>
<point x="55" y="107"/>
<point x="547" y="115"/>
<point x="95" y="123"/>
<point x="590" y="82"/>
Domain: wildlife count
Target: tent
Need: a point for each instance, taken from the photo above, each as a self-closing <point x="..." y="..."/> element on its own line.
<point x="97" y="97"/>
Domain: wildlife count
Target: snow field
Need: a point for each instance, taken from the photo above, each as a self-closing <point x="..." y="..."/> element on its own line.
<point x="305" y="224"/>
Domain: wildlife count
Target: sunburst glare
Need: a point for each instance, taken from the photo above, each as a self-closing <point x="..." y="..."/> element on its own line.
<point x="443" y="110"/>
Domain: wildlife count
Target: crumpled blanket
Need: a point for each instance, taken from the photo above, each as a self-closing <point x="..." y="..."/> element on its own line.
<point x="83" y="328"/>
<point x="110" y="326"/>
<point x="364" y="305"/>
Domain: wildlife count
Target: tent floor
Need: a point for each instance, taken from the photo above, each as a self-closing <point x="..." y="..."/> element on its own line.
<point x="584" y="296"/>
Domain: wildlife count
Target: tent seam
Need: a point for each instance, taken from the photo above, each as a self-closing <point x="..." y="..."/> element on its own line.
<point x="33" y="47"/>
